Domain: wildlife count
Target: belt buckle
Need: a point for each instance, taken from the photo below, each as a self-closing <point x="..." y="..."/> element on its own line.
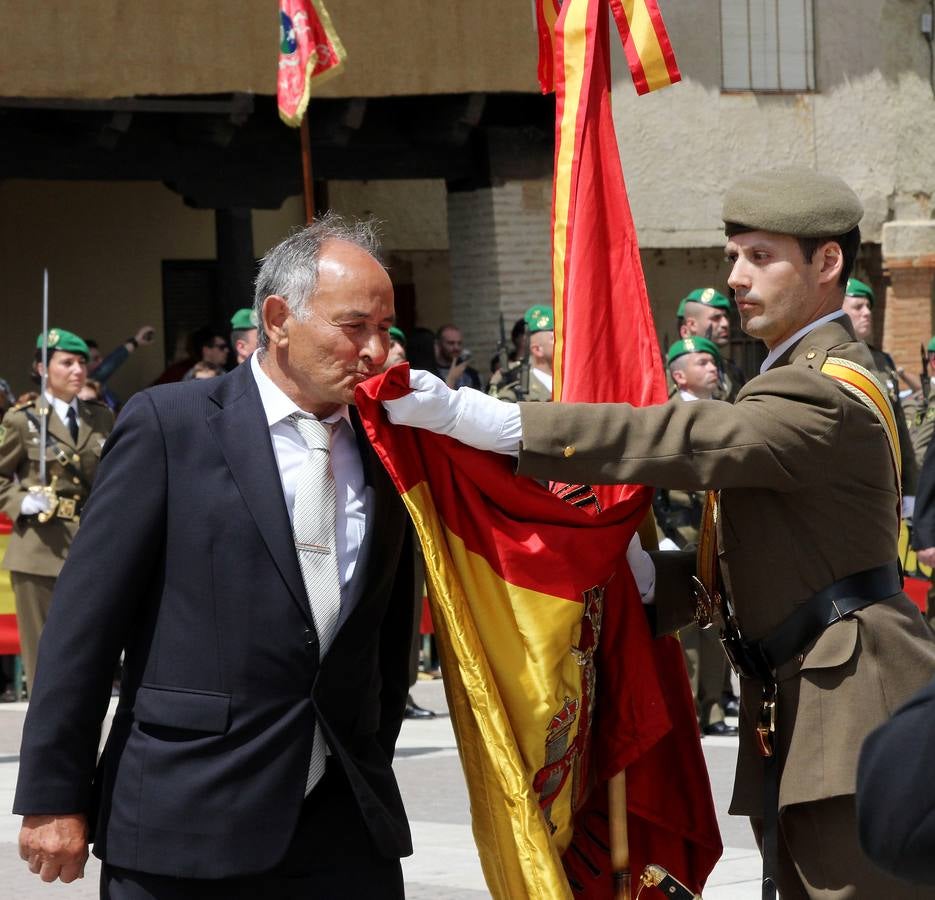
<point x="704" y="603"/>
<point x="766" y="724"/>
<point x="66" y="508"/>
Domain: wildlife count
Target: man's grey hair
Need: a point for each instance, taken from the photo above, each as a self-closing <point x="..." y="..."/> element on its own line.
<point x="290" y="269"/>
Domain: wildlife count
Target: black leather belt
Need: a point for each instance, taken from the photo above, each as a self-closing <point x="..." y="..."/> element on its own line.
<point x="829" y="605"/>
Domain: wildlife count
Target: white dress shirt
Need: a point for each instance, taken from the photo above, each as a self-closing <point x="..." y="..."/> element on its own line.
<point x="354" y="498"/>
<point x="61" y="408"/>
<point x="544" y="378"/>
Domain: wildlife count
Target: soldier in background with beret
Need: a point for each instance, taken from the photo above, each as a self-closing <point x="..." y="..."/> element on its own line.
<point x="693" y="365"/>
<point x="243" y="333"/>
<point x="45" y="517"/>
<point x="705" y="312"/>
<point x="805" y="463"/>
<point x="530" y="378"/>
<point x="858" y="304"/>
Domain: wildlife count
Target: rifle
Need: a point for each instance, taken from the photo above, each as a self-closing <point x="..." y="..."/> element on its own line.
<point x="502" y="352"/>
<point x="924" y="378"/>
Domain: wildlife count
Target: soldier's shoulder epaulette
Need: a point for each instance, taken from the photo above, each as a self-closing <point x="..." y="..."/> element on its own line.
<point x="23" y="404"/>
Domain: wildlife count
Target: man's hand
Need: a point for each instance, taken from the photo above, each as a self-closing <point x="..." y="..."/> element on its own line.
<point x="55" y="846"/>
<point x="466" y="415"/>
<point x="146" y="335"/>
<point x="927" y="556"/>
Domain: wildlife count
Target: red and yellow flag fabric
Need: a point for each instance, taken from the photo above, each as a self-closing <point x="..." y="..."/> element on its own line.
<point x="520" y="582"/>
<point x="9" y="635"/>
<point x="606" y="350"/>
<point x="645" y="42"/>
<point x="309" y="50"/>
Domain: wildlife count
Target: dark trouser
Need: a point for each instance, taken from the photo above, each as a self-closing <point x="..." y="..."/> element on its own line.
<point x="706" y="664"/>
<point x="331" y="857"/>
<point x="33" y="595"/>
<point x="820" y="857"/>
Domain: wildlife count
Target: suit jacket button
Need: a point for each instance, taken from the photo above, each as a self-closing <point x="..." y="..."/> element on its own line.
<point x="309" y="638"/>
<point x="569" y="451"/>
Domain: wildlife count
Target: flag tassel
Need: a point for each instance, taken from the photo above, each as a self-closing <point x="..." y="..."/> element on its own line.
<point x="619" y="836"/>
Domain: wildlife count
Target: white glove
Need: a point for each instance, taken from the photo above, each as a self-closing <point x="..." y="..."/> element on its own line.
<point x="35" y="503"/>
<point x="466" y="415"/>
<point x="909" y="506"/>
<point x="643" y="569"/>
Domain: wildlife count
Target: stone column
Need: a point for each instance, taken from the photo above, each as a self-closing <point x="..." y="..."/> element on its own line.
<point x="909" y="266"/>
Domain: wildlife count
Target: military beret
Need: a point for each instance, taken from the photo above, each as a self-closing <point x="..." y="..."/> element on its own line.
<point x="931" y="346"/>
<point x="398" y="335"/>
<point x="705" y="296"/>
<point x="692" y="345"/>
<point x="243" y="320"/>
<point x="799" y="202"/>
<point x="857" y="288"/>
<point x="66" y="341"/>
<point x="539" y="318"/>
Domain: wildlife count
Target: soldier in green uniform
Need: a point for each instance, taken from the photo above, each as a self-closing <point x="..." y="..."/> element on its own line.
<point x="243" y="333"/>
<point x="858" y="304"/>
<point x="806" y="466"/>
<point x="511" y="386"/>
<point x="693" y="365"/>
<point x="919" y="411"/>
<point x="45" y="517"/>
<point x="705" y="312"/>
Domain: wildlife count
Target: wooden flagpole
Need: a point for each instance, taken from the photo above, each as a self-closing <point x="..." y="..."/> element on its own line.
<point x="307" y="185"/>
<point x="619" y="837"/>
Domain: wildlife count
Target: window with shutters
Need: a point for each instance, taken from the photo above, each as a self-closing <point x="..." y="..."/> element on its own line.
<point x="767" y="45"/>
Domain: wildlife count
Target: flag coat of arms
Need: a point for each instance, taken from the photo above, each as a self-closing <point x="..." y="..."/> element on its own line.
<point x="310" y="51"/>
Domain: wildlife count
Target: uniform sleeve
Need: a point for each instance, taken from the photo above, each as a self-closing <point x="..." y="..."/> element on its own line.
<point x="12" y="456"/>
<point x="780" y="434"/>
<point x="109" y="576"/>
<point x="923" y="520"/>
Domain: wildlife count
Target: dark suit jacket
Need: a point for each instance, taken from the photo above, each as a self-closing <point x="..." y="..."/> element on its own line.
<point x="185" y="559"/>
<point x="896" y="793"/>
<point x="923" y="519"/>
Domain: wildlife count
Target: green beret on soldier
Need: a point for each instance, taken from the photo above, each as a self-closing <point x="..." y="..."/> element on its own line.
<point x="530" y="379"/>
<point x="244" y="332"/>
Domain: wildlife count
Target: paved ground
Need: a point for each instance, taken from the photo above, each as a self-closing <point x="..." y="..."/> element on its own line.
<point x="444" y="865"/>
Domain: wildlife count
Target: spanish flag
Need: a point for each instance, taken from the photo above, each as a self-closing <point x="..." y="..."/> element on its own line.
<point x="9" y="635"/>
<point x="309" y="51"/>
<point x="645" y="42"/>
<point x="548" y="697"/>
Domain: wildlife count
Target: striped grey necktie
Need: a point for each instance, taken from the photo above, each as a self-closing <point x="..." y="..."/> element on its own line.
<point x="314" y="518"/>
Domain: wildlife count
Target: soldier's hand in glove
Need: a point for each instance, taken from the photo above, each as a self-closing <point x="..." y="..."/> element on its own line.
<point x="466" y="415"/>
<point x="34" y="503"/>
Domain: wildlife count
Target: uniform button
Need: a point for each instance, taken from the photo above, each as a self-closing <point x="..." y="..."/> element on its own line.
<point x="569" y="451"/>
<point x="76" y="459"/>
<point x="801" y="658"/>
<point x="810" y="354"/>
<point x="76" y="480"/>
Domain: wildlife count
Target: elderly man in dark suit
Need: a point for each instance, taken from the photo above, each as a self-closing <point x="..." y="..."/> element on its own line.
<point x="229" y="550"/>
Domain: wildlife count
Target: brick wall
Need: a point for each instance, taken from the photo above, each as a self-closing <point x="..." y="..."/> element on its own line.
<point x="500" y="257"/>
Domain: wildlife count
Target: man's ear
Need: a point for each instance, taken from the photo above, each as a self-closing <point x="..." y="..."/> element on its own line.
<point x="276" y="313"/>
<point x="678" y="376"/>
<point x="685" y="329"/>
<point x="831" y="261"/>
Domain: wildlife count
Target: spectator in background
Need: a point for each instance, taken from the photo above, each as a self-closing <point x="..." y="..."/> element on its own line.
<point x="102" y="367"/>
<point x="203" y="370"/>
<point x="452" y="359"/>
<point x="420" y="349"/>
<point x="7" y="397"/>
<point x="243" y="333"/>
<point x="207" y="344"/>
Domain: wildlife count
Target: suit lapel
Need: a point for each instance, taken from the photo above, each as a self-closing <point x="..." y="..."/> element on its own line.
<point x="239" y="426"/>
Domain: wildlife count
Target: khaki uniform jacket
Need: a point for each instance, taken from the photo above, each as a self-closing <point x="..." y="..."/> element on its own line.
<point x="34" y="548"/>
<point x="808" y="496"/>
<point x="885" y="371"/>
<point x="505" y="388"/>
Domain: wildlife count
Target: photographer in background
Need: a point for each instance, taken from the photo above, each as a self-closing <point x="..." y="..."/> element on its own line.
<point x="452" y="359"/>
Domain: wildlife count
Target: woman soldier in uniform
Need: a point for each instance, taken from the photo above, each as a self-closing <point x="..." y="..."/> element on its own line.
<point x="46" y="516"/>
